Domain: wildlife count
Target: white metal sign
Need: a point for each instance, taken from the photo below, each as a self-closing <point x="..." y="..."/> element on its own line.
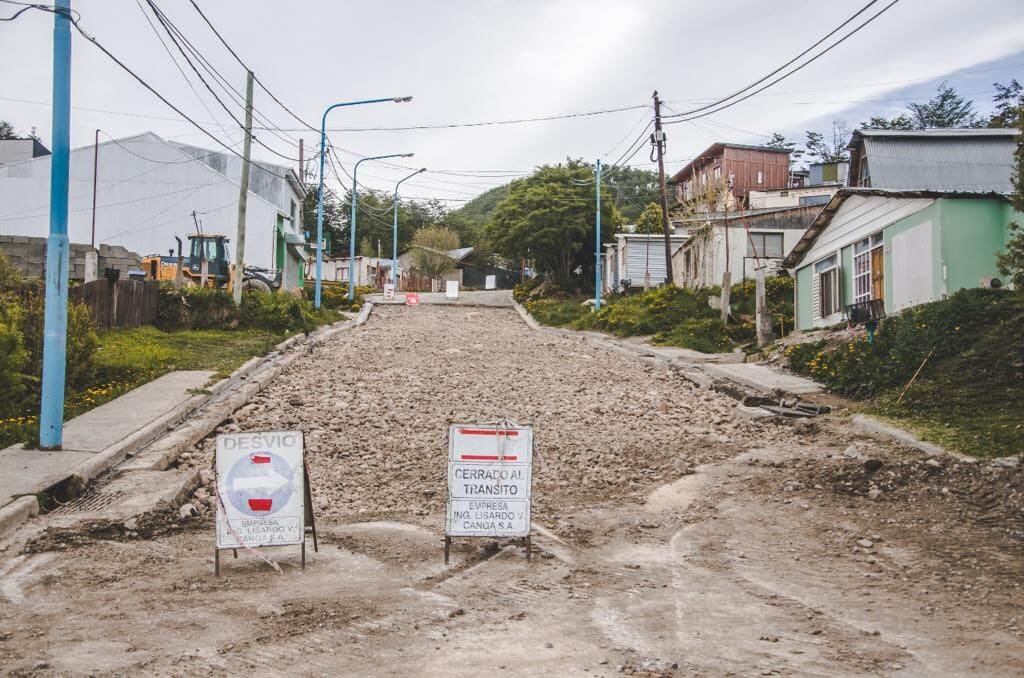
<point x="389" y="291"/>
<point x="260" y="481"/>
<point x="451" y="289"/>
<point x="491" y="282"/>
<point x="490" y="470"/>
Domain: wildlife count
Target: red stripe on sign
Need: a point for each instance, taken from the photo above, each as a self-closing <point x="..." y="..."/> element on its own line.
<point x="260" y="458"/>
<point x="488" y="457"/>
<point x="486" y="432"/>
<point x="261" y="504"/>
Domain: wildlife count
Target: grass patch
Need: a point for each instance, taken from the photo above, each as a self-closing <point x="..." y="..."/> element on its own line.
<point x="127" y="358"/>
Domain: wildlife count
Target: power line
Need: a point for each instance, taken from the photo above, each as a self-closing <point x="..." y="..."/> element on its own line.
<point x="486" y="123"/>
<point x="159" y="96"/>
<point x="692" y="115"/>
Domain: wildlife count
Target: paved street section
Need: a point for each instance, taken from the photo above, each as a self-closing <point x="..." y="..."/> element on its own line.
<point x="670" y="536"/>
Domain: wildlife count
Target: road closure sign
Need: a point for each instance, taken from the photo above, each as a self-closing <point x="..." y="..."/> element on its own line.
<point x="490" y="471"/>
<point x="260" y="480"/>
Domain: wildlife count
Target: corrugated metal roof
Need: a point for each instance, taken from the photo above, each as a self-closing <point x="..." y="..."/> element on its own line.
<point x="968" y="160"/>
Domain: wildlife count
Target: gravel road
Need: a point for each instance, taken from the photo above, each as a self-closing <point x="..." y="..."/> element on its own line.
<point x="671" y="536"/>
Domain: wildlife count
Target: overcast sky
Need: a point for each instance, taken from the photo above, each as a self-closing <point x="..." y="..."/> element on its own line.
<point x="480" y="60"/>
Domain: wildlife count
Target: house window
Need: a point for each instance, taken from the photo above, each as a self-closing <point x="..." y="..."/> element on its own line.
<point x="868" y="269"/>
<point x="718" y="173"/>
<point x="765" y="246"/>
<point x="826" y="274"/>
<point x="760" y="177"/>
<point x="814" y="199"/>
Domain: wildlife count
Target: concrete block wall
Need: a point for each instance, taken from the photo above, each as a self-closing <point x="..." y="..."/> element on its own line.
<point x="28" y="255"/>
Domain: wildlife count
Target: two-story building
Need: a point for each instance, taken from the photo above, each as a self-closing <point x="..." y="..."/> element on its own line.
<point x="743" y="168"/>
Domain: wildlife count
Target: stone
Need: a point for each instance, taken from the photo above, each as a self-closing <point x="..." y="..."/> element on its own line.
<point x="188" y="511"/>
<point x="851" y="452"/>
<point x="874" y="493"/>
<point x="1007" y="462"/>
<point x="131" y="524"/>
<point x="865" y="543"/>
<point x="934" y="463"/>
<point x="548" y="646"/>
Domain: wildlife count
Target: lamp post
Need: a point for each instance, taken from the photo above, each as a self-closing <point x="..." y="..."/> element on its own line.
<point x="394" y="231"/>
<point x="320" y="189"/>
<point x="597" y="238"/>
<point x="55" y="320"/>
<point x="352" y="221"/>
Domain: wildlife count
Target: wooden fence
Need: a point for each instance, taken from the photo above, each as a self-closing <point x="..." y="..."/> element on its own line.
<point x="125" y="303"/>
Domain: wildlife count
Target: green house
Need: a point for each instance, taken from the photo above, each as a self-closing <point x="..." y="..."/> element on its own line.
<point x="874" y="251"/>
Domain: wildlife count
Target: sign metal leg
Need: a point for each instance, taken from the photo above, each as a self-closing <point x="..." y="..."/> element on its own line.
<point x="529" y="547"/>
<point x="447" y="547"/>
<point x="216" y="562"/>
<point x="303" y="554"/>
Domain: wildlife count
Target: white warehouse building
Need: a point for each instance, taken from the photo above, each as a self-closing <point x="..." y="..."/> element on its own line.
<point x="147" y="191"/>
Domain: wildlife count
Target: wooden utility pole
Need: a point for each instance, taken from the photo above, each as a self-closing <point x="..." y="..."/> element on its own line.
<point x="302" y="164"/>
<point x="658" y="139"/>
<point x="765" y="331"/>
<point x="243" y="195"/>
<point x="724" y="298"/>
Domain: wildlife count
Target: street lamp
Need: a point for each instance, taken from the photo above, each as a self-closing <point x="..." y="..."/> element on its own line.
<point x="394" y="234"/>
<point x="320" y="190"/>
<point x="352" y="221"/>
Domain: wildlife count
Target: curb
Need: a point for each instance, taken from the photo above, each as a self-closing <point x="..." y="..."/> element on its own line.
<point x="877" y="427"/>
<point x="18" y="511"/>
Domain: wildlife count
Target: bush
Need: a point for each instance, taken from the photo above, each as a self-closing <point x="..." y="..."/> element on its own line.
<point x="654" y="311"/>
<point x="778" y="295"/>
<point x="276" y="312"/>
<point x="963" y="324"/>
<point x="334" y="296"/>
<point x="557" y="312"/>
<point x="13" y="359"/>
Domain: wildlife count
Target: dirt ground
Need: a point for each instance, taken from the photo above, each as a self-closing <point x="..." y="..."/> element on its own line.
<point x="671" y="536"/>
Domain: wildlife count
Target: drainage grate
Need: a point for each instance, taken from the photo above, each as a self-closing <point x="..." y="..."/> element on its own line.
<point x="94" y="501"/>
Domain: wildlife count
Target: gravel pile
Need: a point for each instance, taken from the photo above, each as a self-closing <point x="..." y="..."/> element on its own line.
<point x="376" y="402"/>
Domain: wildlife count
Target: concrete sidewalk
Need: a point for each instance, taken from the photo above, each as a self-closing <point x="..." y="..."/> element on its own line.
<point x="95" y="433"/>
<point x="496" y="298"/>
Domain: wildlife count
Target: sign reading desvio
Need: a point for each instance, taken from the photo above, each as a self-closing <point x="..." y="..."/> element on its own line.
<point x="260" y="483"/>
<point x="490" y="469"/>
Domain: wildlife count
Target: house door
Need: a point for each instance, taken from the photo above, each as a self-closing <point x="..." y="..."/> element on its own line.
<point x="877" y="274"/>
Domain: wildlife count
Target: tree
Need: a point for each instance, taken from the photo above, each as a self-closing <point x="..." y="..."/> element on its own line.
<point x="1011" y="262"/>
<point x="430" y="249"/>
<point x="946" y="109"/>
<point x="831" y="148"/>
<point x="630" y="188"/>
<point x="548" y="218"/>
<point x="7" y="130"/>
<point x="901" y="121"/>
<point x="1009" y="100"/>
<point x="649" y="220"/>
<point x="332" y="219"/>
<point x="779" y="141"/>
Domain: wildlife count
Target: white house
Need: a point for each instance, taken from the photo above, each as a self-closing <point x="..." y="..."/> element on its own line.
<point x="147" y="192"/>
<point x="743" y="240"/>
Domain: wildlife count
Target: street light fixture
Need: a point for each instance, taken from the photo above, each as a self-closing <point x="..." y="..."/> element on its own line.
<point x="394" y="234"/>
<point x="352" y="221"/>
<point x="320" y="189"/>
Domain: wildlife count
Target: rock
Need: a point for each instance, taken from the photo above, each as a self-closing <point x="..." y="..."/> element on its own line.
<point x="934" y="463"/>
<point x="1007" y="462"/>
<point x="851" y="452"/>
<point x="188" y="511"/>
<point x="872" y="465"/>
<point x="874" y="493"/>
<point x="548" y="646"/>
<point x="865" y="543"/>
<point x="131" y="524"/>
<point x="206" y="476"/>
<point x="457" y="612"/>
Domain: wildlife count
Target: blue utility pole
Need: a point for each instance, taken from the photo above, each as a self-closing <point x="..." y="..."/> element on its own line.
<point x="55" y="321"/>
<point x="352" y="221"/>
<point x="597" y="239"/>
<point x="394" y="234"/>
<point x="320" y="189"/>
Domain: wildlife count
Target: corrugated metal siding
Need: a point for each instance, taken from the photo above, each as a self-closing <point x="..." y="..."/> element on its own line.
<point x="646" y="256"/>
<point x="942" y="164"/>
<point x="860" y="216"/>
